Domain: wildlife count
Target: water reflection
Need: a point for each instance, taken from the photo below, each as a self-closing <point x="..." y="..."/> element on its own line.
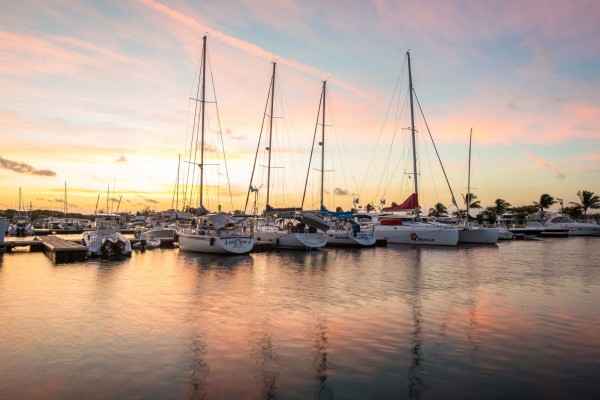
<point x="320" y="360"/>
<point x="416" y="384"/>
<point x="267" y="368"/>
<point x="199" y="369"/>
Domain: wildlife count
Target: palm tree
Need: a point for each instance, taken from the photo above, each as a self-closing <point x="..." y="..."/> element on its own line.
<point x="438" y="210"/>
<point x="370" y="207"/>
<point x="588" y="200"/>
<point x="469" y="200"/>
<point x="500" y="206"/>
<point x="545" y="202"/>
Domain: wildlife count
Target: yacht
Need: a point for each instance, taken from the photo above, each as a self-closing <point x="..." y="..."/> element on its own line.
<point x="293" y="231"/>
<point x="216" y="233"/>
<point x="572" y="227"/>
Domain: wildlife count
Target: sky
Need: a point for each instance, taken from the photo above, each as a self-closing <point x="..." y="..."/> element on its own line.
<point x="95" y="96"/>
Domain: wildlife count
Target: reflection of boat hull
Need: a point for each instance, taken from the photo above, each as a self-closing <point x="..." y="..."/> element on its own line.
<point x="478" y="235"/>
<point x="213" y="244"/>
<point x="417" y="235"/>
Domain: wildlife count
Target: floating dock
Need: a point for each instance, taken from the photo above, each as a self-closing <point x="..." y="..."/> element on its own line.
<point x="57" y="249"/>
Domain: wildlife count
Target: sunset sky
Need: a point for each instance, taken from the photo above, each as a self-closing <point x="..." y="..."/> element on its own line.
<point x="96" y="94"/>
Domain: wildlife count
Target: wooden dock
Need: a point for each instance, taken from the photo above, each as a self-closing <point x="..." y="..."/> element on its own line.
<point x="57" y="249"/>
<point x="61" y="251"/>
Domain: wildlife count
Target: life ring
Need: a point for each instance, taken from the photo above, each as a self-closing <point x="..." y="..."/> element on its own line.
<point x="290" y="225"/>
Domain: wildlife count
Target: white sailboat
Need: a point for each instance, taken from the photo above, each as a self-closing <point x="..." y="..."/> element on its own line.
<point x="470" y="233"/>
<point x="212" y="233"/>
<point x="284" y="227"/>
<point x="408" y="229"/>
<point x="21" y="223"/>
<point x="343" y="229"/>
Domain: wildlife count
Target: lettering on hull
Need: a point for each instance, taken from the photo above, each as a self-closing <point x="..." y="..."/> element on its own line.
<point x="415" y="238"/>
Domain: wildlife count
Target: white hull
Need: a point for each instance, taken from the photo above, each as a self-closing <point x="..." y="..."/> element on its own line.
<point x="234" y="244"/>
<point x="581" y="229"/>
<point x="417" y="234"/>
<point x="159" y="233"/>
<point x="98" y="244"/>
<point x="344" y="238"/>
<point x="478" y="235"/>
<point x="504" y="234"/>
<point x="292" y="240"/>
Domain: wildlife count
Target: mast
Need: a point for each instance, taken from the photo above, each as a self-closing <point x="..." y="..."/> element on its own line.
<point x="323" y="143"/>
<point x="412" y="128"/>
<point x="270" y="134"/>
<point x="469" y="180"/>
<point x="203" y="107"/>
<point x="65" y="199"/>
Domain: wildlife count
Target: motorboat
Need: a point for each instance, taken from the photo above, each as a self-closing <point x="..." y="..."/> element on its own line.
<point x="147" y="244"/>
<point x="106" y="239"/>
<point x="159" y="231"/>
<point x="21" y="227"/>
<point x="572" y="227"/>
<point x="478" y="234"/>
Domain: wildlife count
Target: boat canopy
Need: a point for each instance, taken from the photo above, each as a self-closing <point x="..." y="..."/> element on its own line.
<point x="340" y="215"/>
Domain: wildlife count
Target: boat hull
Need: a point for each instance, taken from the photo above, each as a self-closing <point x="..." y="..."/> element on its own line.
<point x="478" y="235"/>
<point x="165" y="233"/>
<point x="345" y="238"/>
<point x="105" y="245"/>
<point x="417" y="235"/>
<point x="216" y="245"/>
<point x="292" y="240"/>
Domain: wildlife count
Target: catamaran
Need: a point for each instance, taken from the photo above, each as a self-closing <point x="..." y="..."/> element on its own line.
<point x="410" y="229"/>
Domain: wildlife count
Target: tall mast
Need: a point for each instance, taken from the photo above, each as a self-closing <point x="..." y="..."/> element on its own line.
<point x="412" y="128"/>
<point x="323" y="143"/>
<point x="65" y="199"/>
<point x="202" y="131"/>
<point x="270" y="133"/>
<point x="469" y="179"/>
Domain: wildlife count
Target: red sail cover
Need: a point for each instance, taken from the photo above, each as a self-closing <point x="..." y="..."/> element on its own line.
<point x="409" y="204"/>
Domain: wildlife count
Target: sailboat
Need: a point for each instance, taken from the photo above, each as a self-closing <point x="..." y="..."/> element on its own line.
<point x="21" y="225"/>
<point x="470" y="233"/>
<point x="218" y="233"/>
<point x="288" y="227"/>
<point x="344" y="229"/>
<point x="410" y="229"/>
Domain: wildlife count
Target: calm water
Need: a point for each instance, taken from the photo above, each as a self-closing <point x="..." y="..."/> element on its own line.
<point x="517" y="320"/>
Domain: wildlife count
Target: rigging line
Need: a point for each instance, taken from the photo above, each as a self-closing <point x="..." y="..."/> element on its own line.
<point x="194" y="133"/>
<point x="187" y="130"/>
<point x="481" y="166"/>
<point x="342" y="146"/>
<point x="258" y="146"/>
<point x="396" y="128"/>
<point x="222" y="142"/>
<point x="430" y="167"/>
<point x="396" y="89"/>
<point x="312" y="149"/>
<point x="436" y="151"/>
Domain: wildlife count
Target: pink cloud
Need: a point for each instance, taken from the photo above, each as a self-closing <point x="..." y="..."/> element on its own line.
<point x="559" y="174"/>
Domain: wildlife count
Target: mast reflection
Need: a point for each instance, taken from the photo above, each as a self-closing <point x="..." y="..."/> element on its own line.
<point x="416" y="384"/>
<point x="267" y="367"/>
<point x="199" y="370"/>
<point x="320" y="361"/>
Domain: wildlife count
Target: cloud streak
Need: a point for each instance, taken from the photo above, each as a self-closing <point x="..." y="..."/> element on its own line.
<point x="22" y="168"/>
<point x="559" y="174"/>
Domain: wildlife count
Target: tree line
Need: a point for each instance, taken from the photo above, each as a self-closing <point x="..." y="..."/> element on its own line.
<point x="588" y="200"/>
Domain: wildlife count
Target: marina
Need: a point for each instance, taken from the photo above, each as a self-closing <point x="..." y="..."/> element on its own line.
<point x="511" y="320"/>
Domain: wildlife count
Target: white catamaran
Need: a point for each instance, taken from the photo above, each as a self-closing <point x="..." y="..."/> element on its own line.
<point x="410" y="229"/>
